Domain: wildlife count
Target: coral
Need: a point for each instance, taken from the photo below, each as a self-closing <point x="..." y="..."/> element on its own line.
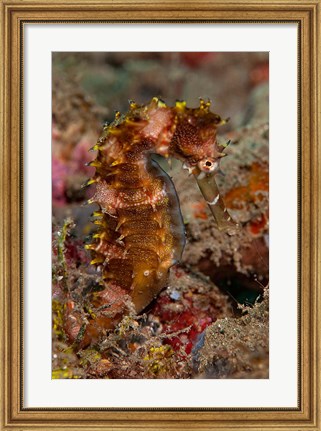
<point x="189" y="304"/>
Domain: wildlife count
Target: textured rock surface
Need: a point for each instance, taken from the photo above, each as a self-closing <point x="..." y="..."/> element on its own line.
<point x="236" y="348"/>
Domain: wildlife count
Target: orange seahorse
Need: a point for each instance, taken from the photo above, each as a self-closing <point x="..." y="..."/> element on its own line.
<point x="141" y="231"/>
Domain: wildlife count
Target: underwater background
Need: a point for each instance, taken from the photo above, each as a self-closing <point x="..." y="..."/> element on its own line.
<point x="212" y="319"/>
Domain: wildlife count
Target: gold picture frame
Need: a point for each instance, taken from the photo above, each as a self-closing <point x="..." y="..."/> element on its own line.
<point x="306" y="14"/>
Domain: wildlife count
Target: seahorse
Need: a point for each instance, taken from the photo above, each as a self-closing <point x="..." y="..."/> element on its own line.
<point x="140" y="227"/>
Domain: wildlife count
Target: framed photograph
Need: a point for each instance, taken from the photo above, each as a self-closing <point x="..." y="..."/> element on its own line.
<point x="148" y="281"/>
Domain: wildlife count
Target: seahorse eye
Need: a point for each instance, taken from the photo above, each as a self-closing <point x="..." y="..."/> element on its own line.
<point x="208" y="165"/>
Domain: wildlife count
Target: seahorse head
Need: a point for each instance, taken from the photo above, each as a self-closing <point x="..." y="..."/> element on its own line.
<point x="194" y="140"/>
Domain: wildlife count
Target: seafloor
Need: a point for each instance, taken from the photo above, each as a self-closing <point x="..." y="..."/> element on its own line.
<point x="212" y="319"/>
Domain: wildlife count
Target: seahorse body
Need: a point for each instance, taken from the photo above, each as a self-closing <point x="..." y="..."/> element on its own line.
<point x="141" y="231"/>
